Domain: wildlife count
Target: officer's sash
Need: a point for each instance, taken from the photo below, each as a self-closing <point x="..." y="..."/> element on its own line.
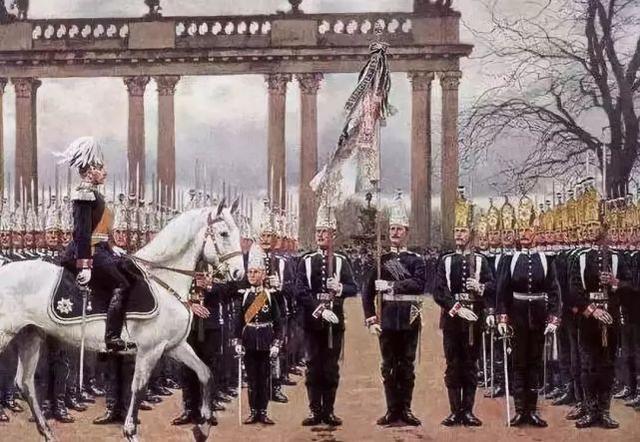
<point x="257" y="304"/>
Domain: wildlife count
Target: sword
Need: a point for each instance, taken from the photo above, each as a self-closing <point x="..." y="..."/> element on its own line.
<point x="239" y="389"/>
<point x="85" y="295"/>
<point x="492" y="361"/>
<point x="506" y="380"/>
<point x="484" y="357"/>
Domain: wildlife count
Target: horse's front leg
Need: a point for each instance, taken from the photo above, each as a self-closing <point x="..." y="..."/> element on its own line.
<point x="185" y="354"/>
<point x="146" y="361"/>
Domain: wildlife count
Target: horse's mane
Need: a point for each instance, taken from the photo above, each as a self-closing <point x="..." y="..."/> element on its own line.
<point x="175" y="237"/>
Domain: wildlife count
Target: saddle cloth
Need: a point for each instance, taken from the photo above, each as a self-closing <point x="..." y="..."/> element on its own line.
<point x="65" y="306"/>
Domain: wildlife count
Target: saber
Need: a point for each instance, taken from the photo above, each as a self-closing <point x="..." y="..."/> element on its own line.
<point x="506" y="380"/>
<point x="85" y="295"/>
<point x="484" y="357"/>
<point x="544" y="368"/>
<point x="239" y="389"/>
<point x="492" y="361"/>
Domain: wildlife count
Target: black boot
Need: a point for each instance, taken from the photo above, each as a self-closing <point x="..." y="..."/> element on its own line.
<point x="185" y="418"/>
<point x="532" y="407"/>
<point x="277" y="395"/>
<point x="71" y="400"/>
<point x="252" y="418"/>
<point x="60" y="412"/>
<point x="11" y="404"/>
<point x="390" y="417"/>
<point x="626" y="393"/>
<point x="315" y="407"/>
<point x="567" y="398"/>
<point x="93" y="389"/>
<point x="520" y="417"/>
<point x="328" y="400"/>
<point x="111" y="414"/>
<point x="591" y="415"/>
<point x="264" y="418"/>
<point x="468" y="399"/>
<point x="455" y="403"/>
<point x="604" y="405"/>
<point x="634" y="401"/>
<point x="115" y="321"/>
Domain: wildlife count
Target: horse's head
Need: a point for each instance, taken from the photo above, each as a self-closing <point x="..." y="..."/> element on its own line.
<point x="222" y="241"/>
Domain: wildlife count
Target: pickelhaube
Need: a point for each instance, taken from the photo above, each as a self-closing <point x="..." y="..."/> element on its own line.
<point x="482" y="225"/>
<point x="526" y="213"/>
<point x="398" y="214"/>
<point x="266" y="219"/>
<point x="326" y="218"/>
<point x="508" y="216"/>
<point x="494" y="223"/>
<point x="463" y="211"/>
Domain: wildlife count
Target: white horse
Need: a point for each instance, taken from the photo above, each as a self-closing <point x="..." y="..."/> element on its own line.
<point x="26" y="288"/>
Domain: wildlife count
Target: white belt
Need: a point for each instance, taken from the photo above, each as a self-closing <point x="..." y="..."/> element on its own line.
<point x="402" y="298"/>
<point x="530" y="296"/>
<point x="259" y="324"/>
<point x="325" y="297"/>
<point x="465" y="297"/>
<point x="598" y="296"/>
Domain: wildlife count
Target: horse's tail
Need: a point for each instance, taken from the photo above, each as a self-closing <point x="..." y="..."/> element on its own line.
<point x="5" y="339"/>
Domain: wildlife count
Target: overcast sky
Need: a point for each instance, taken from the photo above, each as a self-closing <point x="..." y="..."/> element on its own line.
<point x="222" y="121"/>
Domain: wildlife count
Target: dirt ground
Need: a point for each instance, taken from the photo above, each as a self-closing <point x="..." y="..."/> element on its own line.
<point x="360" y="402"/>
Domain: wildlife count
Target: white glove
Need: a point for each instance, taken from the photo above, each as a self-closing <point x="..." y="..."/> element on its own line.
<point x="491" y="321"/>
<point x="603" y="316"/>
<point x="551" y="328"/>
<point x="274" y="351"/>
<point x="274" y="282"/>
<point x="473" y="285"/>
<point x="84" y="276"/>
<point x="333" y="285"/>
<point x="329" y="316"/>
<point x="502" y="328"/>
<point x="239" y="349"/>
<point x="467" y="314"/>
<point x="384" y="286"/>
<point x="375" y="329"/>
<point x="118" y="251"/>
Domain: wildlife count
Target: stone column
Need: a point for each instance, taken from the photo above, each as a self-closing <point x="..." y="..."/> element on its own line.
<point x="166" y="164"/>
<point x="26" y="137"/>
<point x="3" y="83"/>
<point x="136" y="143"/>
<point x="449" y="168"/>
<point x="309" y="85"/>
<point x="421" y="158"/>
<point x="276" y="147"/>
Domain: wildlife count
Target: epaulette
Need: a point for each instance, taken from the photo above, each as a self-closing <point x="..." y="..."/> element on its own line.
<point x="310" y="254"/>
<point x="83" y="192"/>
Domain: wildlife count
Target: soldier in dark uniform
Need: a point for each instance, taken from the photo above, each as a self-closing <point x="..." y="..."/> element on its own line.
<point x="529" y="301"/>
<point x="320" y="289"/>
<point x="258" y="336"/>
<point x="400" y="288"/>
<point x="598" y="281"/>
<point x="90" y="253"/>
<point x="463" y="280"/>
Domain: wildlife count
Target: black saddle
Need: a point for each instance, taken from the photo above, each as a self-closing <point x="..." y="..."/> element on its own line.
<point x="66" y="303"/>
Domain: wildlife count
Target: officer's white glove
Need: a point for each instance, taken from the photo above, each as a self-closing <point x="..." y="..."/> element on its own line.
<point x="491" y="321"/>
<point x="329" y="316"/>
<point x="375" y="329"/>
<point x="474" y="285"/>
<point x="551" y="328"/>
<point x="84" y="276"/>
<point x="239" y="349"/>
<point x="383" y="286"/>
<point x="274" y="351"/>
<point x="467" y="314"/>
<point x="334" y="286"/>
<point x="502" y="328"/>
<point x="274" y="282"/>
<point x="603" y="316"/>
<point x="118" y="251"/>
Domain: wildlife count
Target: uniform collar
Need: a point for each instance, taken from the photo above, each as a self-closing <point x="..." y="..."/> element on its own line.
<point x="398" y="249"/>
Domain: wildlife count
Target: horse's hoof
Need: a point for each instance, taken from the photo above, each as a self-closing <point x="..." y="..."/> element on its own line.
<point x="129" y="432"/>
<point x="199" y="435"/>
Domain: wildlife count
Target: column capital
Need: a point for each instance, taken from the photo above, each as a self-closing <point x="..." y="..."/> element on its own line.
<point x="309" y="82"/>
<point x="3" y="83"/>
<point x="26" y="87"/>
<point x="136" y="85"/>
<point x="450" y="80"/>
<point x="277" y="83"/>
<point x="167" y="84"/>
<point x="421" y="81"/>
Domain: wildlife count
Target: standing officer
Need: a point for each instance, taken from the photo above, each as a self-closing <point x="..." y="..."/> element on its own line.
<point x="529" y="301"/>
<point x="400" y="289"/>
<point x="463" y="280"/>
<point x="324" y="278"/>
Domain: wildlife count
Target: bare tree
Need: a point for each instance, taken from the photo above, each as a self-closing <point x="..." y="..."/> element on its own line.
<point x="571" y="85"/>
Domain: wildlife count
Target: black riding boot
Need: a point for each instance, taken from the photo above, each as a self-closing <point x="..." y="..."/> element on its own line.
<point x="532" y="406"/>
<point x="115" y="321"/>
<point x="455" y="402"/>
<point x="315" y="406"/>
<point x="60" y="412"/>
<point x="466" y="415"/>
